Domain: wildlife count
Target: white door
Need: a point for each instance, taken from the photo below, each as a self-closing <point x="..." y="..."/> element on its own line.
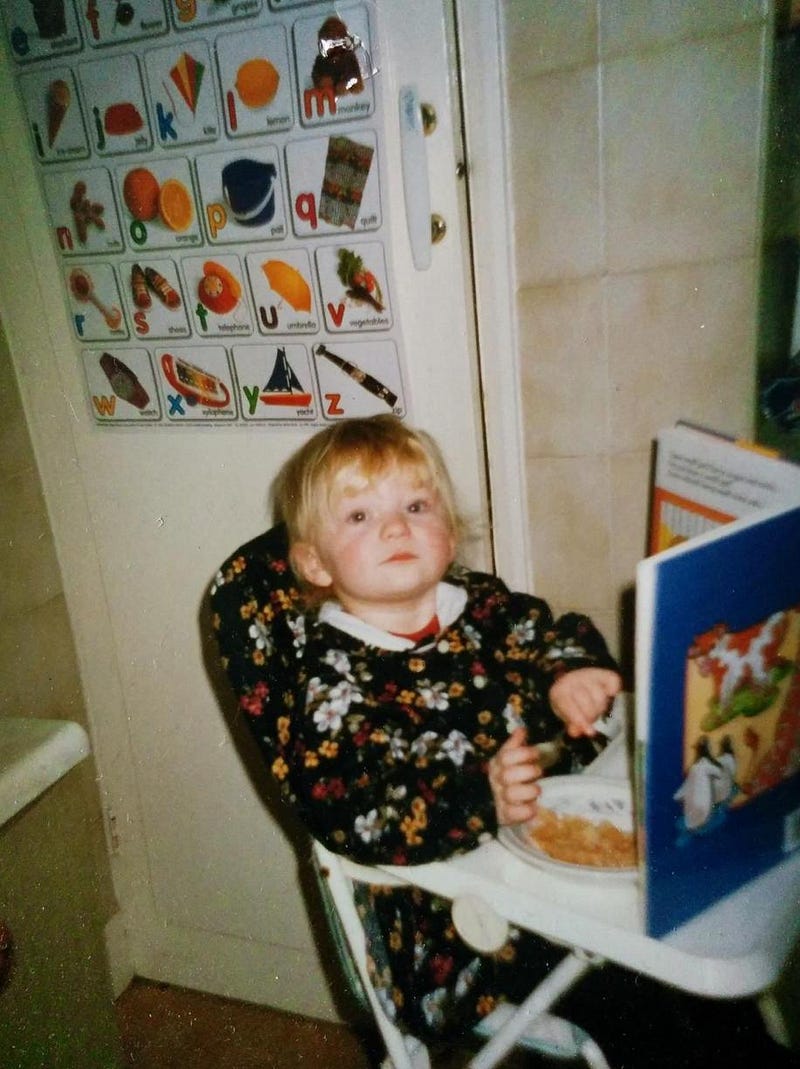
<point x="206" y="880"/>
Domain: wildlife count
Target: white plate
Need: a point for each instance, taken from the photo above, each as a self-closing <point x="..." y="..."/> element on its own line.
<point x="592" y="797"/>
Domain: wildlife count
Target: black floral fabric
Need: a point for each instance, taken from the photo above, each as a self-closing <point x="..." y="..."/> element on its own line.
<point x="383" y="752"/>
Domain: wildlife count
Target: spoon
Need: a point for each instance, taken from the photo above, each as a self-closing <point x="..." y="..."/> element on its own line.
<point x="82" y="289"/>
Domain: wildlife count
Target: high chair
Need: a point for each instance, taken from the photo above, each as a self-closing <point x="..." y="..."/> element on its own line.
<point x="735" y="949"/>
<point x="529" y="1025"/>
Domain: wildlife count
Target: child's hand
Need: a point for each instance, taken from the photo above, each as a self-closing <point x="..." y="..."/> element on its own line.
<point x="581" y="697"/>
<point x="513" y="772"/>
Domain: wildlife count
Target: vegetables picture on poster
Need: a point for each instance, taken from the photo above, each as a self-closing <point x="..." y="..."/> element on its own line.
<point x="213" y="176"/>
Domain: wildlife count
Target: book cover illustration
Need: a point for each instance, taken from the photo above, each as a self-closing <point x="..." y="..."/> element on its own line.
<point x="718" y="706"/>
<point x="703" y="479"/>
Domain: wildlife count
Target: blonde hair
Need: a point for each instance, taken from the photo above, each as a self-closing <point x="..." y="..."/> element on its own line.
<point x="348" y="456"/>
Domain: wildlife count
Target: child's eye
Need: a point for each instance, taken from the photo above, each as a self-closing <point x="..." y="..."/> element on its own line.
<point x="356" y="516"/>
<point x="420" y="505"/>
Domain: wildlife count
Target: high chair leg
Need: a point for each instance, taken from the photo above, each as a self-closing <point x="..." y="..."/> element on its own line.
<point x="568" y="971"/>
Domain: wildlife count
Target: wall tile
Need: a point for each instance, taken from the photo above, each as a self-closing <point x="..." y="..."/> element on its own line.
<point x="627" y="27"/>
<point x="681" y="346"/>
<point x="569" y="524"/>
<point x="549" y="34"/>
<point x="564" y="373"/>
<point x="681" y="153"/>
<point x="668" y="238"/>
<point x="554" y="154"/>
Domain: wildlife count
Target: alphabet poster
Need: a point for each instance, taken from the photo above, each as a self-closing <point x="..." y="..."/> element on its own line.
<point x="213" y="173"/>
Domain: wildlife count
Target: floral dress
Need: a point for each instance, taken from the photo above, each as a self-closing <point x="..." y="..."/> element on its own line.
<point x="381" y="746"/>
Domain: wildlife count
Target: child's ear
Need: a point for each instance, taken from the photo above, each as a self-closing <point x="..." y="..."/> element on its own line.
<point x="307" y="562"/>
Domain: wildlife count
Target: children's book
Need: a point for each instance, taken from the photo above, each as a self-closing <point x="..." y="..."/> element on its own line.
<point x="718" y="700"/>
<point x="703" y="479"/>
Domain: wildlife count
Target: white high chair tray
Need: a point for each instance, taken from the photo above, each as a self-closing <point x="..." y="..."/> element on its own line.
<point x="734" y="949"/>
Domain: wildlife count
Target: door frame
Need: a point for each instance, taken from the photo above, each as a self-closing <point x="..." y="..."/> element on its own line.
<point x="481" y="63"/>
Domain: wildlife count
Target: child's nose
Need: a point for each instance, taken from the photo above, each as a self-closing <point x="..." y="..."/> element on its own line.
<point x="395" y="524"/>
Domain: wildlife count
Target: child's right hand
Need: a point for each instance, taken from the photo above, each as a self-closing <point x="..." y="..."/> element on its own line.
<point x="513" y="772"/>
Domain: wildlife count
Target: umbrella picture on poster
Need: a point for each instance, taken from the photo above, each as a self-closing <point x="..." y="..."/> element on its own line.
<point x="282" y="287"/>
<point x="289" y="284"/>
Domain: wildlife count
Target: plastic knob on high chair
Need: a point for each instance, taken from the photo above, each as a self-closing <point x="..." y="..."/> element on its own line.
<point x="480" y="926"/>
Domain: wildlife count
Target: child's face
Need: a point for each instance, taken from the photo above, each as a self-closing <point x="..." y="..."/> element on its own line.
<point x="382" y="547"/>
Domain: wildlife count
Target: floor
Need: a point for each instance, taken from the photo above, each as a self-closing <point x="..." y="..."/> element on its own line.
<point x="165" y="1027"/>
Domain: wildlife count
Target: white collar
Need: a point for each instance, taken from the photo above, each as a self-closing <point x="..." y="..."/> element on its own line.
<point x="450" y="602"/>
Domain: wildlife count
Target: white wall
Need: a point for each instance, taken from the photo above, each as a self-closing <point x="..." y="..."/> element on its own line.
<point x="141" y="517"/>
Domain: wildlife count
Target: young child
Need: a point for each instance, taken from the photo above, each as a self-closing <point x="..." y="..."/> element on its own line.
<point x="398" y="698"/>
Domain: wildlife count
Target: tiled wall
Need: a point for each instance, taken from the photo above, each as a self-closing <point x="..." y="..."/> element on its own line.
<point x="635" y="133"/>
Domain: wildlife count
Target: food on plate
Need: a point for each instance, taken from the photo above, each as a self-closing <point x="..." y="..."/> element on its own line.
<point x="175" y="205"/>
<point x="139" y="290"/>
<point x="140" y="192"/>
<point x="257" y="82"/>
<point x="219" y="290"/>
<point x="58" y="100"/>
<point x="578" y="840"/>
<point x="288" y="283"/>
<point x="122" y="119"/>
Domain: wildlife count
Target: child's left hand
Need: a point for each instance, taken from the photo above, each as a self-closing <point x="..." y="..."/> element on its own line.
<point x="580" y="697"/>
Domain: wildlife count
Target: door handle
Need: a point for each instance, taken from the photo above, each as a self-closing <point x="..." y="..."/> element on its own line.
<point x="416" y="190"/>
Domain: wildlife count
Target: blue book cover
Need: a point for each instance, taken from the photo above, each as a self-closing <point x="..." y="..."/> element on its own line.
<point x="718" y="712"/>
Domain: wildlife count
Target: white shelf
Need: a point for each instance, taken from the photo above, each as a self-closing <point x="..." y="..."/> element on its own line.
<point x="35" y="754"/>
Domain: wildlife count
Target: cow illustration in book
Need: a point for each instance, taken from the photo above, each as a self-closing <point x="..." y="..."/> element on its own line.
<point x="745" y="667"/>
<point x="741" y="716"/>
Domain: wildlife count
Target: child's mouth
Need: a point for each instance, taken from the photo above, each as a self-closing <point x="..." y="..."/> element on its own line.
<point x="398" y="557"/>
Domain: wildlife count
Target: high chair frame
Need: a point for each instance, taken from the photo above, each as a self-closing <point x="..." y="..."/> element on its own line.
<point x="735" y="949"/>
<point x="506" y="1030"/>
